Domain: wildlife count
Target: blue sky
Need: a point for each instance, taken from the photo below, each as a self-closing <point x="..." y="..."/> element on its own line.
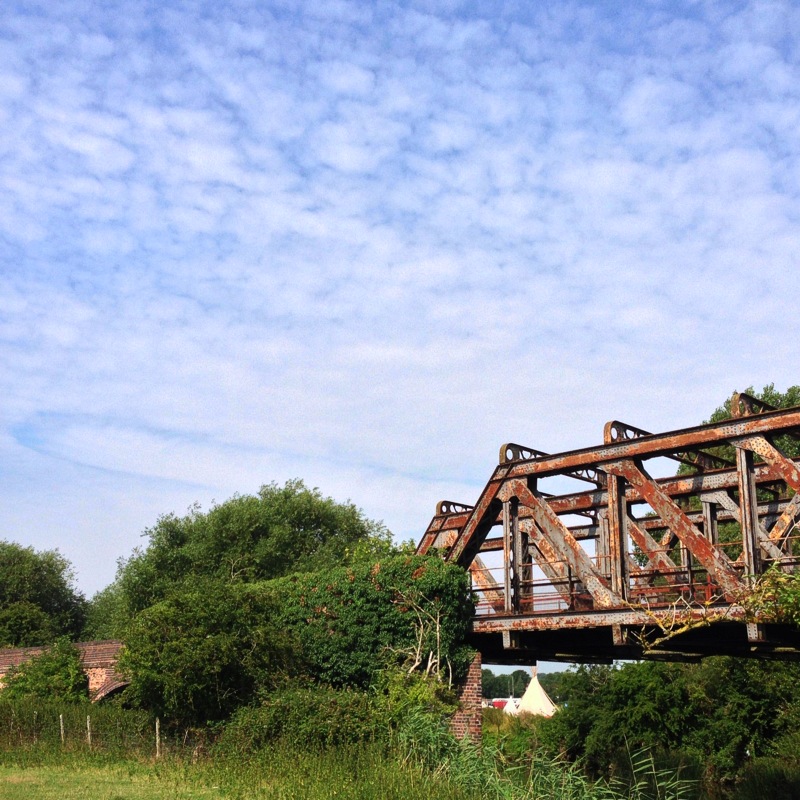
<point x="364" y="244"/>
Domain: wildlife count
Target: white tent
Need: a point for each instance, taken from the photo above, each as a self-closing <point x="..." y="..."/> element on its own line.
<point x="535" y="699"/>
<point x="511" y="707"/>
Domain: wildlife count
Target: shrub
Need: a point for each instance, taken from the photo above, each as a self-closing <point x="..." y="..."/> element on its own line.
<point x="205" y="651"/>
<point x="55" y="674"/>
<point x="313" y="718"/>
<point x="769" y="778"/>
<point x="403" y="610"/>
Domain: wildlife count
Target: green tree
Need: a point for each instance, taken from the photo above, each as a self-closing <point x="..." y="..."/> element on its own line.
<point x="205" y="650"/>
<point x="505" y="685"/>
<point x="212" y="646"/>
<point x="55" y="674"/>
<point x="729" y="533"/>
<point x="716" y="714"/>
<point x="38" y="601"/>
<point x="106" y="614"/>
<point x="283" y="529"/>
<point x="772" y="397"/>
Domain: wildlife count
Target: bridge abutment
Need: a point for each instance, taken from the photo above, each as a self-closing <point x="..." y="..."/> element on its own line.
<point x="467" y="721"/>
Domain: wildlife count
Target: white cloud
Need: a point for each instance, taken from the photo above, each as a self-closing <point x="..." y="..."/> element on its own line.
<point x="366" y="245"/>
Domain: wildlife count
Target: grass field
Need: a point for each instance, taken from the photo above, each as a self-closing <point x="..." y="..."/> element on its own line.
<point x="101" y="782"/>
<point x="282" y="775"/>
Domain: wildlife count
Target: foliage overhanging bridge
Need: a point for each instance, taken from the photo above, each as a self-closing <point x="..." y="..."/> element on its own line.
<point x="584" y="556"/>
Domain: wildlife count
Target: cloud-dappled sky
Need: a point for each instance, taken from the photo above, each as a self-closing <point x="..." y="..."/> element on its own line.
<point x="364" y="244"/>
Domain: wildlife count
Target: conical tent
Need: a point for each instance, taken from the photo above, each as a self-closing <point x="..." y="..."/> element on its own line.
<point x="535" y="699"/>
<point x="511" y="707"/>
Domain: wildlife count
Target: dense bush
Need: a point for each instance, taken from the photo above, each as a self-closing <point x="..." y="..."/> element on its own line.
<point x="211" y="647"/>
<point x="55" y="674"/>
<point x="353" y="622"/>
<point x="719" y="714"/>
<point x="769" y="779"/>
<point x="205" y="651"/>
<point x="309" y="718"/>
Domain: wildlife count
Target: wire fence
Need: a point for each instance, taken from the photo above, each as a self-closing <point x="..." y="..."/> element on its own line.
<point x="92" y="728"/>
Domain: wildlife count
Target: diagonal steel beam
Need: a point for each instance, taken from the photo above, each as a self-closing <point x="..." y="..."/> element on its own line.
<point x="717" y="564"/>
<point x="548" y="561"/>
<point x="657" y="558"/>
<point x="729" y="504"/>
<point x="786" y="521"/>
<point x="564" y="544"/>
<point x="640" y="578"/>
<point x="490" y="589"/>
<point x="788" y="470"/>
<point x="479" y="522"/>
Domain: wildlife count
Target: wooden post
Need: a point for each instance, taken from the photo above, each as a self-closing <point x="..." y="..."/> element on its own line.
<point x="158" y="738"/>
<point x="61" y="726"/>
<point x="89" y="731"/>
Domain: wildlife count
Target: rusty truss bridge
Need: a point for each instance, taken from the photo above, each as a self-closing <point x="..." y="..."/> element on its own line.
<point x="585" y="556"/>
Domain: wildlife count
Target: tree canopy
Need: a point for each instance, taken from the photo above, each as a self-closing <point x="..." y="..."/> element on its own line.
<point x="511" y="685"/>
<point x="38" y="601"/>
<point x="212" y="646"/>
<point x="205" y="650"/>
<point x="221" y="606"/>
<point x="248" y="538"/>
<point x="714" y="713"/>
<point x="772" y="397"/>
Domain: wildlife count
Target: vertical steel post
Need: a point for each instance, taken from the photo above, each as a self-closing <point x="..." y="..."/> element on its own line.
<point x="710" y="522"/>
<point x="507" y="556"/>
<point x="617" y="545"/>
<point x="518" y="547"/>
<point x="748" y="506"/>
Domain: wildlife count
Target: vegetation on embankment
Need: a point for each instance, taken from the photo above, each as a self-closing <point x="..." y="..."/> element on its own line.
<point x="733" y="725"/>
<point x="410" y="756"/>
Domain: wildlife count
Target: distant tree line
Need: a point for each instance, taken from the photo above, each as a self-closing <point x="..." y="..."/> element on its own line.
<point x="504" y="685"/>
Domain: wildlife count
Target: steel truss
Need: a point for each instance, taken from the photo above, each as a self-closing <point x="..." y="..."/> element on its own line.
<point x="634" y="565"/>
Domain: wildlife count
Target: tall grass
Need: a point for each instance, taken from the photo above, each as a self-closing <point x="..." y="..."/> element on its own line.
<point x="424" y="743"/>
<point x="417" y="758"/>
<point x="29" y="722"/>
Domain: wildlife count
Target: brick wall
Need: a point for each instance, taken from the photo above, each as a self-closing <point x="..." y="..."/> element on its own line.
<point x="467" y="720"/>
<point x="99" y="661"/>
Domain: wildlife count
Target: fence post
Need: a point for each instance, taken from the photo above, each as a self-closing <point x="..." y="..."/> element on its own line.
<point x="61" y="726"/>
<point x="34" y="727"/>
<point x="158" y="738"/>
<point x="89" y="731"/>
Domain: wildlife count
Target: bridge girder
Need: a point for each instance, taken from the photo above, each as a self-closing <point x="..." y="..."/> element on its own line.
<point x="635" y="565"/>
